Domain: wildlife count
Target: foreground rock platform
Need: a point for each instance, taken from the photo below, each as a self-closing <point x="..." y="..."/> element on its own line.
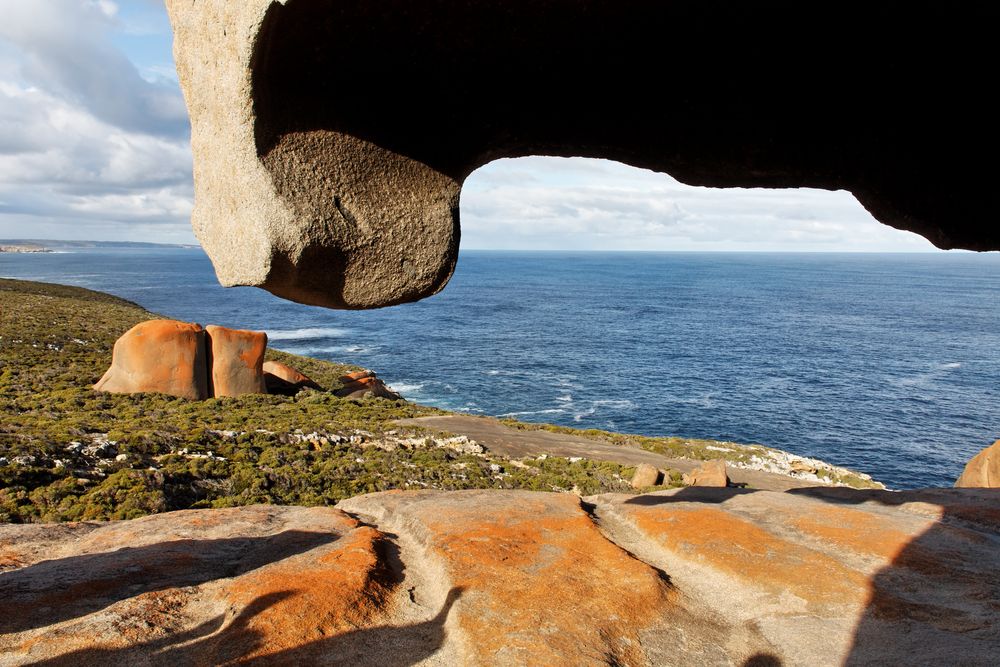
<point x="693" y="577"/>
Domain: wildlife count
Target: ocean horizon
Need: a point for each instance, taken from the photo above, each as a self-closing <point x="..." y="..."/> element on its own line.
<point x="882" y="362"/>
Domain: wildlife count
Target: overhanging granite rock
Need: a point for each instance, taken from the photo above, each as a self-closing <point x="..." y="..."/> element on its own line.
<point x="331" y="137"/>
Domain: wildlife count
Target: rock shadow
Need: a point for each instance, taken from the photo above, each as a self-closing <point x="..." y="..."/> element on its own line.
<point x="937" y="602"/>
<point x="691" y="494"/>
<point x="58" y="590"/>
<point x="211" y="644"/>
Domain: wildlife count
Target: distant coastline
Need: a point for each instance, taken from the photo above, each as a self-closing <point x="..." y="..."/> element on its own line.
<point x="49" y="245"/>
<point x="22" y="247"/>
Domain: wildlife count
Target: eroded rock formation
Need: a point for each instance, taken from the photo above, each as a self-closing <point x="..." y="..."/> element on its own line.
<point x="331" y="138"/>
<point x="361" y="384"/>
<point x="162" y="356"/>
<point x="281" y="378"/>
<point x="690" y="576"/>
<point x="237" y="361"/>
<point x="182" y="359"/>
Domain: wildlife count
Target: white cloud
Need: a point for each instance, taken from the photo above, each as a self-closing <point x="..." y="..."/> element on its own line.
<point x="86" y="143"/>
<point x="559" y="203"/>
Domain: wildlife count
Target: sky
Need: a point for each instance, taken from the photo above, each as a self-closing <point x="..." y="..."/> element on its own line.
<point x="94" y="144"/>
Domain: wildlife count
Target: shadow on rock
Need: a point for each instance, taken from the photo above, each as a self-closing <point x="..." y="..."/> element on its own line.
<point x="58" y="590"/>
<point x="932" y="604"/>
<point x="690" y="494"/>
<point x="387" y="646"/>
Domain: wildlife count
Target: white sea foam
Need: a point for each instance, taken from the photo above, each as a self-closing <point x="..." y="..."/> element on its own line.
<point x="406" y="388"/>
<point x="313" y="333"/>
<point x="550" y="411"/>
<point x="954" y="364"/>
<point x="314" y="350"/>
<point x="568" y="398"/>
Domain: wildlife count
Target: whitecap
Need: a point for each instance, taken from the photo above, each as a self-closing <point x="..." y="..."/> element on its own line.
<point x="313" y="350"/>
<point x="550" y="411"/>
<point x="568" y="398"/>
<point x="405" y="388"/>
<point x="311" y="333"/>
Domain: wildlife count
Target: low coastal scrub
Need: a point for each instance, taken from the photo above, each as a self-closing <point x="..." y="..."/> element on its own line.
<point x="70" y="453"/>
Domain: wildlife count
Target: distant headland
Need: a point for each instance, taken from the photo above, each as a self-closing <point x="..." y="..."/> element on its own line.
<point x="51" y="245"/>
<point x="22" y="247"/>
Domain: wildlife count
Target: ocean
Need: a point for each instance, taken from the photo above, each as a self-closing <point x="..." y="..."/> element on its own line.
<point x="886" y="363"/>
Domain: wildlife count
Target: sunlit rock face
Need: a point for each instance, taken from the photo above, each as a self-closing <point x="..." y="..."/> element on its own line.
<point x="695" y="576"/>
<point x="983" y="469"/>
<point x="332" y="137"/>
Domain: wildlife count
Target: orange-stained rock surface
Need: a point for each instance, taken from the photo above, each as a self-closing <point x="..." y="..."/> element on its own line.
<point x="982" y="470"/>
<point x="163" y="356"/>
<point x="360" y="384"/>
<point x="237" y="360"/>
<point x="695" y="576"/>
<point x="281" y="378"/>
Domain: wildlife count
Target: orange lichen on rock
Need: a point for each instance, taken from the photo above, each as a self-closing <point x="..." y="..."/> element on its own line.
<point x="360" y="384"/>
<point x="347" y="587"/>
<point x="544" y="586"/>
<point x="854" y="530"/>
<point x="755" y="556"/>
<point x="281" y="378"/>
<point x="983" y="469"/>
<point x="237" y="360"/>
<point x="164" y="356"/>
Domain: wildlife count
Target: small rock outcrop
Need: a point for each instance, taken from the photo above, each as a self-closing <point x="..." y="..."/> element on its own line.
<point x="281" y="378"/>
<point x="983" y="469"/>
<point x="362" y="384"/>
<point x="162" y="356"/>
<point x="682" y="577"/>
<point x="237" y="360"/>
<point x="711" y="473"/>
<point x="645" y="475"/>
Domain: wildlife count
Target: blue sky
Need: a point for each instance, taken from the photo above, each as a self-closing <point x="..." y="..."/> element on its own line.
<point x="94" y="145"/>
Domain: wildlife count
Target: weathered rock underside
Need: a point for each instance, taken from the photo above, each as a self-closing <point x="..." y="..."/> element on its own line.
<point x="331" y="137"/>
<point x="693" y="576"/>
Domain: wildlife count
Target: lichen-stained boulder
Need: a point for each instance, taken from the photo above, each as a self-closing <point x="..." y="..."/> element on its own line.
<point x="331" y="138"/>
<point x="164" y="356"/>
<point x="281" y="378"/>
<point x="362" y="384"/>
<point x="237" y="361"/>
<point x="983" y="469"/>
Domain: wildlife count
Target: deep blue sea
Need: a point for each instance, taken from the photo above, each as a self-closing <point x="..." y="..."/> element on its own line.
<point x="889" y="364"/>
